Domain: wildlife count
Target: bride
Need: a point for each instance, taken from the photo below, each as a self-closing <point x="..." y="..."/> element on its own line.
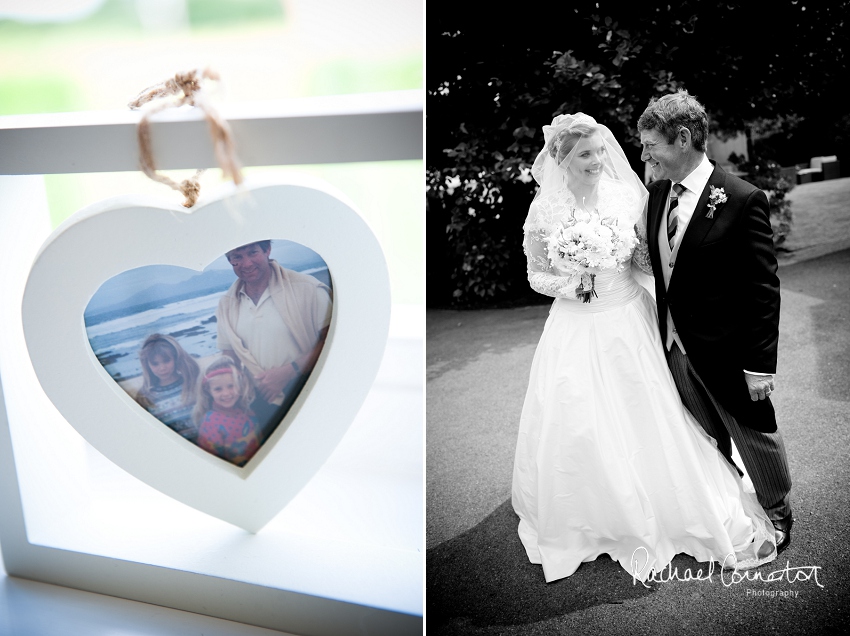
<point x="607" y="459"/>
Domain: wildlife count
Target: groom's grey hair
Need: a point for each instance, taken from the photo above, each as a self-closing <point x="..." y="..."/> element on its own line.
<point x="669" y="114"/>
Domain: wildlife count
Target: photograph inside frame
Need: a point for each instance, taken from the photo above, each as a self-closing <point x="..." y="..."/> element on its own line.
<point x="218" y="356"/>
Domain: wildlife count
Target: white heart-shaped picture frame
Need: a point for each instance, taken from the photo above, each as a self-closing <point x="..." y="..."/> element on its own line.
<point x="124" y="233"/>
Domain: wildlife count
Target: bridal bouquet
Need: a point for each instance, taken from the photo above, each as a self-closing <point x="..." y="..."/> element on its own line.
<point x="596" y="244"/>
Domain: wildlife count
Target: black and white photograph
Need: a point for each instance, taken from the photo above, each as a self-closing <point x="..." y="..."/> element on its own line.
<point x="638" y="354"/>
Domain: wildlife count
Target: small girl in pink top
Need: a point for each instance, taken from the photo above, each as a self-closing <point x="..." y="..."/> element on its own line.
<point x="226" y="424"/>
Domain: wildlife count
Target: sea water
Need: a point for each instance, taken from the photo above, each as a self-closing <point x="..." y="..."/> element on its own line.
<point x="117" y="334"/>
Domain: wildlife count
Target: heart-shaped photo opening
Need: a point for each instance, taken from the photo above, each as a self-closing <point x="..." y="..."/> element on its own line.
<point x="217" y="356"/>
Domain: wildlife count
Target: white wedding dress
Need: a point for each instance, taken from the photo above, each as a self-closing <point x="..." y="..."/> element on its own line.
<point x="607" y="459"/>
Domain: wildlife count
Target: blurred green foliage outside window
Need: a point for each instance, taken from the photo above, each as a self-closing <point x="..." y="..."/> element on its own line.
<point x="99" y="54"/>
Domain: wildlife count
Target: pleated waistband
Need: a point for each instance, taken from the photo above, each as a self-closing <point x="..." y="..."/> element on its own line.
<point x="612" y="290"/>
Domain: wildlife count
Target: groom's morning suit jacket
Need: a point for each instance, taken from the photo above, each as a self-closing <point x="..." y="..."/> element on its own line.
<point x="723" y="293"/>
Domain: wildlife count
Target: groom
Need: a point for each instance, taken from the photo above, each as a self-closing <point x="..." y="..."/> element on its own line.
<point x="711" y="247"/>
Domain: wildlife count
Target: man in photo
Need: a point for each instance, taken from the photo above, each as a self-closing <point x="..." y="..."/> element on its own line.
<point x="274" y="321"/>
<point x="717" y="292"/>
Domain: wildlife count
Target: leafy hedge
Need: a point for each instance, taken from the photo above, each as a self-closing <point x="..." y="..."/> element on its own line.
<point x="765" y="174"/>
<point x="486" y="126"/>
<point x="492" y="84"/>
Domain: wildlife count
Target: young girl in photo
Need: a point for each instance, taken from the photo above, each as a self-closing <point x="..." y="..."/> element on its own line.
<point x="226" y="425"/>
<point x="170" y="383"/>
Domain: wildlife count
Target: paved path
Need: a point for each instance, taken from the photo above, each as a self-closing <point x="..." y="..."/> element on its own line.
<point x="479" y="581"/>
<point x="821" y="220"/>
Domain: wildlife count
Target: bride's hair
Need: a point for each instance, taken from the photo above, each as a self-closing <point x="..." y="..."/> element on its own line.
<point x="564" y="141"/>
<point x="560" y="144"/>
<point x="670" y="113"/>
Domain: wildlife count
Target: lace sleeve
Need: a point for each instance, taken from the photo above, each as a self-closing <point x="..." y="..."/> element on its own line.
<point x="542" y="278"/>
<point x="640" y="257"/>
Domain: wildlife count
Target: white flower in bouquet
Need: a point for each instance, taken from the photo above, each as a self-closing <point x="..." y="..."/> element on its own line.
<point x="578" y="247"/>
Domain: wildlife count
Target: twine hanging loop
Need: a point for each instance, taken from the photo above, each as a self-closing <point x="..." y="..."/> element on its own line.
<point x="187" y="88"/>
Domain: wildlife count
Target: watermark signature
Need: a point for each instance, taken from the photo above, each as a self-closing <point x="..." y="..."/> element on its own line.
<point x="773" y="593"/>
<point x="729" y="574"/>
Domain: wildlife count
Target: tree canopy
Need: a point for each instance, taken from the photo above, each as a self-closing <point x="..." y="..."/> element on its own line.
<point x="492" y="83"/>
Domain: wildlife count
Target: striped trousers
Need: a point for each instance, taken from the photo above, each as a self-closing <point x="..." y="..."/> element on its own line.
<point x="763" y="454"/>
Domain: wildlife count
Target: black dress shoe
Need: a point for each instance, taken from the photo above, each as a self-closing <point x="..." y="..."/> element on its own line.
<point x="783" y="532"/>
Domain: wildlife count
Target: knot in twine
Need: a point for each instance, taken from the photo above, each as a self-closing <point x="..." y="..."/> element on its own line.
<point x="189" y="86"/>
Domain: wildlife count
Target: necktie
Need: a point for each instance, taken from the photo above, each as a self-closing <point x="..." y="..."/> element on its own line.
<point x="672" y="216"/>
